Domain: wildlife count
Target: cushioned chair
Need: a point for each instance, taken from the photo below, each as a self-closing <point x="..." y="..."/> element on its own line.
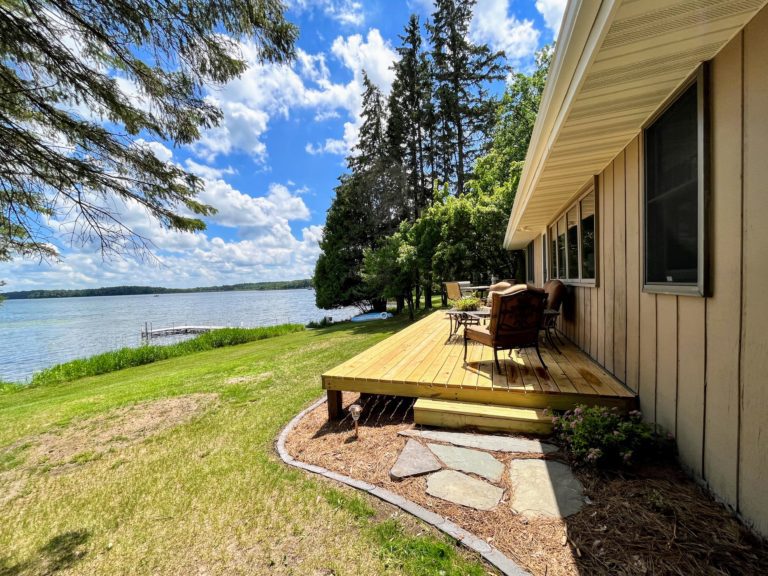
<point x="516" y="318"/>
<point x="555" y="291"/>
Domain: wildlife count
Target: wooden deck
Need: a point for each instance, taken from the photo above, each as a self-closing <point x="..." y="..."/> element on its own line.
<point x="422" y="361"/>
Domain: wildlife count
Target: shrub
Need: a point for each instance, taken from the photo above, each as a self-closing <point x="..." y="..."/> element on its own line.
<point x="598" y="436"/>
<point x="465" y="303"/>
<point x="326" y="321"/>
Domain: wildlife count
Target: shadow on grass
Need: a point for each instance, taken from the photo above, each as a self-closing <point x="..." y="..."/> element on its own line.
<point x="60" y="553"/>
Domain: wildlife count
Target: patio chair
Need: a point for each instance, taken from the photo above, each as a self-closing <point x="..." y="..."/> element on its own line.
<point x="453" y="290"/>
<point x="555" y="294"/>
<point x="516" y="319"/>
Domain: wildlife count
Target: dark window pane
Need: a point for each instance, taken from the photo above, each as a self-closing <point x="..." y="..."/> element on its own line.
<point x="552" y="253"/>
<point x="588" y="236"/>
<point x="671" y="148"/>
<point x="573" y="243"/>
<point x="561" y="248"/>
<point x="531" y="270"/>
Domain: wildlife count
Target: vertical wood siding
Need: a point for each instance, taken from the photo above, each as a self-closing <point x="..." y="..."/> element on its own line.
<point x="699" y="365"/>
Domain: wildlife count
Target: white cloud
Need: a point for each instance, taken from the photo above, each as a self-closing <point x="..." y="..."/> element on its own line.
<point x="492" y="24"/>
<point x="162" y="152"/>
<point x="348" y="12"/>
<point x="552" y="11"/>
<point x="266" y="91"/>
<point x="266" y="250"/>
<point x="426" y="6"/>
<point x="375" y="56"/>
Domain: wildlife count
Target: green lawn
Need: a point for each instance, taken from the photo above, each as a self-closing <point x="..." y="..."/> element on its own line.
<point x="206" y="496"/>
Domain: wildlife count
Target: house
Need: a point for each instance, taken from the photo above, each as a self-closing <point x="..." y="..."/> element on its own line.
<point x="645" y="189"/>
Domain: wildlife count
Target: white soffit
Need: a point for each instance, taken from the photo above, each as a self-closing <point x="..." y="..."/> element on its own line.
<point x="614" y="65"/>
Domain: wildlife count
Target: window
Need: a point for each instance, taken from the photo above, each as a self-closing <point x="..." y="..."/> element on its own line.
<point x="561" y="248"/>
<point x="552" y="252"/>
<point x="572" y="221"/>
<point x="572" y="242"/>
<point x="587" y="207"/>
<point x="530" y="264"/>
<point x="674" y="195"/>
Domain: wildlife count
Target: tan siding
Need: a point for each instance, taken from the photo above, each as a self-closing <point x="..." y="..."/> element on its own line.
<point x="753" y="444"/>
<point x="723" y="333"/>
<point x="666" y="361"/>
<point x="600" y="333"/>
<point x="610" y="274"/>
<point x="620" y="272"/>
<point x="647" y="382"/>
<point x="690" y="381"/>
<point x="633" y="263"/>
<point x="593" y="306"/>
<point x="699" y="365"/>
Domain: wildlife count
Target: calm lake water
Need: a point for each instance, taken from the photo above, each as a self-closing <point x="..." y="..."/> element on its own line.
<point x="36" y="334"/>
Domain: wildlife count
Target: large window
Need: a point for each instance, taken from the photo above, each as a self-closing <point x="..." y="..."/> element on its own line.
<point x="573" y="242"/>
<point x="588" y="254"/>
<point x="674" y="195"/>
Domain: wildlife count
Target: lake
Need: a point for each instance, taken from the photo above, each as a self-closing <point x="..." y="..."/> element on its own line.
<point x="36" y="334"/>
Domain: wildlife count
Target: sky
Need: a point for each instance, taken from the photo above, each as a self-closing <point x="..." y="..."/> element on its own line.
<point x="271" y="166"/>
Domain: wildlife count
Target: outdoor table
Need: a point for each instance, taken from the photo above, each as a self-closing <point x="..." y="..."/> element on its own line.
<point x="465" y="318"/>
<point x="481" y="290"/>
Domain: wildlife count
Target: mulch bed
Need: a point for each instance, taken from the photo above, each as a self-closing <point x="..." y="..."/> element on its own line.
<point x="651" y="521"/>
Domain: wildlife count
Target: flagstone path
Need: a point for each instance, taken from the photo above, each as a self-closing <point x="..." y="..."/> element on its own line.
<point x="543" y="488"/>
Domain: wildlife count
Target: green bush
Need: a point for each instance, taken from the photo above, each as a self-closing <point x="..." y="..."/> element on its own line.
<point x="326" y="321"/>
<point x="146" y="354"/>
<point x="465" y="303"/>
<point x="598" y="436"/>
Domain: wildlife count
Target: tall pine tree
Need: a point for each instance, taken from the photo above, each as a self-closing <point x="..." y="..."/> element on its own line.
<point x="464" y="110"/>
<point x="409" y="117"/>
<point x="367" y="208"/>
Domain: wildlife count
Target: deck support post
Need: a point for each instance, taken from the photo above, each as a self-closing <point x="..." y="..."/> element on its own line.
<point x="334" y="404"/>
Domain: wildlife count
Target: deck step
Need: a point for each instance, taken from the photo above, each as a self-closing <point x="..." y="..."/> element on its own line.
<point x="454" y="414"/>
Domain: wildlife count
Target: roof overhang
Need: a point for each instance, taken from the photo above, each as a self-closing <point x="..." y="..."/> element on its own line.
<point x="615" y="64"/>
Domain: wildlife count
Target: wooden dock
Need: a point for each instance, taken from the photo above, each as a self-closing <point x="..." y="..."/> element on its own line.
<point x="149" y="333"/>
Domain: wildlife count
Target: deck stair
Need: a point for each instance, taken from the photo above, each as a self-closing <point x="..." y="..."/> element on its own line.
<point x="455" y="414"/>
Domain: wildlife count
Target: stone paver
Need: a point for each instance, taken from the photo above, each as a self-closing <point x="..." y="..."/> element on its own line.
<point x="462" y="489"/>
<point x="544" y="488"/>
<point x="467" y="460"/>
<point x="483" y="441"/>
<point x="414" y="460"/>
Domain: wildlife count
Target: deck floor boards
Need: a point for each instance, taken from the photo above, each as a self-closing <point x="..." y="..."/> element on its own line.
<point x="424" y="360"/>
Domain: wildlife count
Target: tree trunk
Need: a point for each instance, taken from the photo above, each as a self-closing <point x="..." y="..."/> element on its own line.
<point x="379" y="305"/>
<point x="400" y="303"/>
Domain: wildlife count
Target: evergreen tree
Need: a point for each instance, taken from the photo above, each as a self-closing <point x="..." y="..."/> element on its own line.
<point x="464" y="109"/>
<point x="58" y="57"/>
<point x="367" y="208"/>
<point x="409" y="115"/>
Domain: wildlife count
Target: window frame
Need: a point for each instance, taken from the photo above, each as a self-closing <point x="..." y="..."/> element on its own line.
<point x="700" y="78"/>
<point x="552" y="228"/>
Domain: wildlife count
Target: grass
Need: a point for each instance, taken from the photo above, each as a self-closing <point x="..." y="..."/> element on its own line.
<point x="206" y="496"/>
<point x="130" y="357"/>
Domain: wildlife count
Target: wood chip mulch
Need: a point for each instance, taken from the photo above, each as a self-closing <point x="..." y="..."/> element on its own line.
<point x="653" y="521"/>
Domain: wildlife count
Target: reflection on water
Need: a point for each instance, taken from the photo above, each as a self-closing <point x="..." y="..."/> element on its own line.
<point x="35" y="334"/>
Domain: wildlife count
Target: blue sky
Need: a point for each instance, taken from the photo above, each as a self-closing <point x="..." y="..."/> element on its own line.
<point x="271" y="167"/>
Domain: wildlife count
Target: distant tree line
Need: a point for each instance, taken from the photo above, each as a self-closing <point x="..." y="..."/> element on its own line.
<point x="431" y="182"/>
<point x="129" y="290"/>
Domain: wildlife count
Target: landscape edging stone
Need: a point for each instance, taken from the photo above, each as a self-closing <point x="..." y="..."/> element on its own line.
<point x="492" y="555"/>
